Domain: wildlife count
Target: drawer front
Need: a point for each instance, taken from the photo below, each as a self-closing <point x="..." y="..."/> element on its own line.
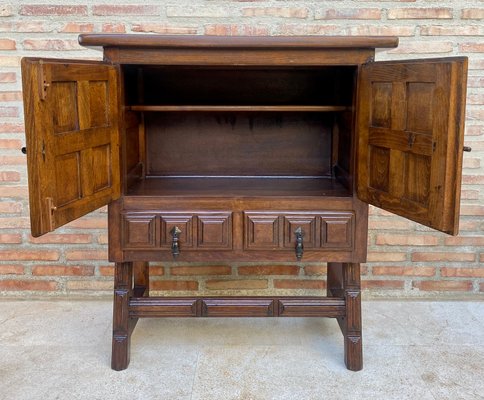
<point x="322" y="230"/>
<point x="198" y="230"/>
<point x="139" y="231"/>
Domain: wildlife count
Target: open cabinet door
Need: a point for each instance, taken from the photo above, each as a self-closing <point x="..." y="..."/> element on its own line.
<point x="410" y="138"/>
<point x="71" y="128"/>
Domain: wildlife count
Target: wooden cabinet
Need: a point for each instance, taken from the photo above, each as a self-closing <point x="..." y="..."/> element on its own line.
<point x="242" y="149"/>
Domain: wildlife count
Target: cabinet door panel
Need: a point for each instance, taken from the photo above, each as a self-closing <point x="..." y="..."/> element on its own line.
<point x="410" y="138"/>
<point x="139" y="231"/>
<point x="71" y="126"/>
<point x="214" y="231"/>
<point x="337" y="230"/>
<point x="261" y="231"/>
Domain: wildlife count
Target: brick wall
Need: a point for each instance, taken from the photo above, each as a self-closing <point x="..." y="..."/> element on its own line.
<point x="405" y="259"/>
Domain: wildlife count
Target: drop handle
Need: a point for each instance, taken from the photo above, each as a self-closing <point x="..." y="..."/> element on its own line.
<point x="467" y="149"/>
<point x="175" y="241"/>
<point x="299" y="243"/>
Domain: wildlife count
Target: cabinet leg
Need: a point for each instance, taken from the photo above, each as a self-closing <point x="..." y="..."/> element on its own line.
<point x="123" y="288"/>
<point x="344" y="282"/>
<point x="351" y="324"/>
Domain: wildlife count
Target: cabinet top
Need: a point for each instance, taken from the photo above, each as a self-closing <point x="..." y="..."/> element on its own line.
<point x="243" y="42"/>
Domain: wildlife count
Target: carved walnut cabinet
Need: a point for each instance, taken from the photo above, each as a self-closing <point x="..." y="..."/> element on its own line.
<point x="242" y="149"/>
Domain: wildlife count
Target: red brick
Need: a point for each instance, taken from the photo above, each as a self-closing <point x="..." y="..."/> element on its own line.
<point x="280" y="12"/>
<point x="306" y="29"/>
<point x="107" y="9"/>
<point x="8" y="77"/>
<point x="51" y="44"/>
<point x="201" y="270"/>
<point x="174" y="285"/>
<point x="14" y="191"/>
<point x="165" y="29"/>
<point x="465" y="241"/>
<point x="472" y="210"/>
<point x="462" y="272"/>
<point x="315" y="270"/>
<point x="10" y="208"/>
<point x="9" y="112"/>
<point x="29" y="255"/>
<point x="470" y="194"/>
<point x="80" y="255"/>
<point x="299" y="284"/>
<point x="7" y="44"/>
<point x="438" y="30"/>
<point x="63" y="238"/>
<point x="386" y="256"/>
<point x="106" y="270"/>
<point x="243" y="284"/>
<point x="472" y="163"/>
<point x="394" y="224"/>
<point x="481" y="287"/>
<point x="46" y="9"/>
<point x="60" y="270"/>
<point x="377" y="30"/>
<point x="27" y="26"/>
<point x="103" y="239"/>
<point x="91" y="285"/>
<point x="350" y="13"/>
<point x="114" y="28"/>
<point x="9" y="176"/>
<point x="11" y="222"/>
<point x="88" y="223"/>
<point x="10" y="238"/>
<point x="406" y="240"/>
<point x="77" y="27"/>
<point x="376" y="284"/>
<point x="11" y="96"/>
<point x="6" y="10"/>
<point x="443" y="256"/>
<point x="475" y="82"/>
<point x="22" y="285"/>
<point x="441" y="286"/>
<point x="423" y="47"/>
<point x="471" y="47"/>
<point x="404" y="271"/>
<point x="269" y="270"/>
<point x="472" y="13"/>
<point x="236" y="30"/>
<point x="11" y="128"/>
<point x="420" y="13"/>
<point x="156" y="270"/>
<point x="11" y="269"/>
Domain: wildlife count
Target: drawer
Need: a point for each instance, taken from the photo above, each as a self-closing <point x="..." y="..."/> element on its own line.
<point x="322" y="230"/>
<point x="197" y="230"/>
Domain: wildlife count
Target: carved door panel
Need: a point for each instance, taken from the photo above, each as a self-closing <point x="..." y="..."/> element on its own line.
<point x="410" y="138"/>
<point x="71" y="125"/>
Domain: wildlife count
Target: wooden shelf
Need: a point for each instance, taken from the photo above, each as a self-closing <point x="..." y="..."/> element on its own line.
<point x="276" y="108"/>
<point x="237" y="187"/>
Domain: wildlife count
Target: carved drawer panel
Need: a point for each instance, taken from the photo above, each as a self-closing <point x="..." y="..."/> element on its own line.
<point x="214" y="231"/>
<point x="184" y="222"/>
<point x="139" y="231"/>
<point x="307" y="222"/>
<point x="261" y="230"/>
<point x="337" y="230"/>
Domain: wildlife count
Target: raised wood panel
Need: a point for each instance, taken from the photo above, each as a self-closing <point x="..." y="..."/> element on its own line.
<point x="337" y="230"/>
<point x="262" y="231"/>
<point x="139" y="231"/>
<point x="214" y="231"/>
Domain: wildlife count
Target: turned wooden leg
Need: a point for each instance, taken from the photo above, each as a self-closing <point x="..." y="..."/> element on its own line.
<point x="123" y="284"/>
<point x="344" y="282"/>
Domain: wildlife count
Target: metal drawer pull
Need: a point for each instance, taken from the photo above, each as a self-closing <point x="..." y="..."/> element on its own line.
<point x="467" y="149"/>
<point x="299" y="243"/>
<point x="175" y="245"/>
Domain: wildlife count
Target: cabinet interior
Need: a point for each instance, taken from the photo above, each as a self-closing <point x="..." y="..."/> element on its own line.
<point x="239" y="131"/>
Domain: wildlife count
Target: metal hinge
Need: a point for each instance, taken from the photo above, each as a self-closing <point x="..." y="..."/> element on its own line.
<point x="50" y="212"/>
<point x="43" y="82"/>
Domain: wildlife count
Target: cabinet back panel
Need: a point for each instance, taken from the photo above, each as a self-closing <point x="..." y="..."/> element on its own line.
<point x="238" y="144"/>
<point x="241" y="86"/>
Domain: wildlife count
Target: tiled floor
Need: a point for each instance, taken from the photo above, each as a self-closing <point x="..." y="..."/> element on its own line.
<point x="412" y="350"/>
